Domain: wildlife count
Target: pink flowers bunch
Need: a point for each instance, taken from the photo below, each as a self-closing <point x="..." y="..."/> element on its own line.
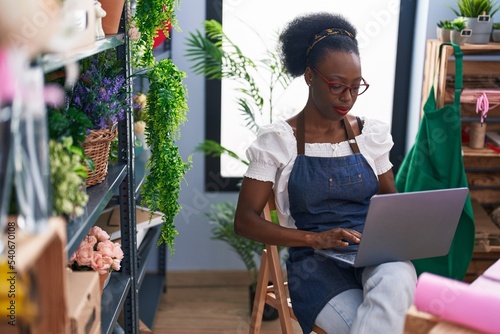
<point x="97" y="252"/>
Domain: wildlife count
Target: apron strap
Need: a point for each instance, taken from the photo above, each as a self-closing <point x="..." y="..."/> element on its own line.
<point x="351" y="139"/>
<point x="300" y="134"/>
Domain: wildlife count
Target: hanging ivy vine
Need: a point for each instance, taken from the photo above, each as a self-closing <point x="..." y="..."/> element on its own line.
<point x="151" y="16"/>
<point x="166" y="111"/>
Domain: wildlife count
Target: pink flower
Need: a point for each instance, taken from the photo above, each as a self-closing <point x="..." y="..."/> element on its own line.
<point x="117" y="251"/>
<point x="106" y="248"/>
<point x="97" y="252"/>
<point x="101" y="264"/>
<point x="91" y="240"/>
<point x="116" y="264"/>
<point x="84" y="254"/>
<point x="99" y="233"/>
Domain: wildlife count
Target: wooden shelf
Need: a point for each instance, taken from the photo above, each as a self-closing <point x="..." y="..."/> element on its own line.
<point x="99" y="196"/>
<point x="483" y="153"/>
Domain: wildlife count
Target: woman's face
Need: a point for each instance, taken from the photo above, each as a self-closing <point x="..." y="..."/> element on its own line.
<point x="338" y="68"/>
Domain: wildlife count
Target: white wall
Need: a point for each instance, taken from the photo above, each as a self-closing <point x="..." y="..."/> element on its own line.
<point x="429" y="12"/>
<point x="194" y="250"/>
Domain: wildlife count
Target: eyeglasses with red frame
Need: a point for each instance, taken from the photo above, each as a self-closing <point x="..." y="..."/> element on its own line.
<point x="338" y="88"/>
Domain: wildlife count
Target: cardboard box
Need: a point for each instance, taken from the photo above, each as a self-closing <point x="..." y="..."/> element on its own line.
<point x="109" y="221"/>
<point x="84" y="302"/>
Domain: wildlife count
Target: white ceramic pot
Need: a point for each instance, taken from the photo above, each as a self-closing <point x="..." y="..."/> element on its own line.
<point x="443" y="34"/>
<point x="481" y="31"/>
<point x="456" y="38"/>
<point x="495" y="35"/>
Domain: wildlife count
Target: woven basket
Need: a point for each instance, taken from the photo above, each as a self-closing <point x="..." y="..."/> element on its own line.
<point x="96" y="147"/>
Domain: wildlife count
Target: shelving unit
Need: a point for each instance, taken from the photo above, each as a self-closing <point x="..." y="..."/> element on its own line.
<point x="46" y="255"/>
<point x="481" y="71"/>
<point x="121" y="297"/>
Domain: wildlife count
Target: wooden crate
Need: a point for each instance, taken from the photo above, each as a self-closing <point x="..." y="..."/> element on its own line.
<point x="42" y="259"/>
<point x="418" y="322"/>
<point x="487" y="243"/>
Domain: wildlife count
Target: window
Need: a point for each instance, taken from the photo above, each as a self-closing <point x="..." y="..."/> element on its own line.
<point x="253" y="25"/>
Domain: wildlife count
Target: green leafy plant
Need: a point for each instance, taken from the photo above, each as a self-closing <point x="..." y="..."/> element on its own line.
<point x="217" y="57"/>
<point x="445" y="24"/>
<point x="459" y="23"/>
<point x="151" y="16"/>
<point x="496" y="25"/>
<point x="221" y="216"/>
<point x="165" y="112"/>
<point x="474" y="8"/>
<point x="67" y="177"/>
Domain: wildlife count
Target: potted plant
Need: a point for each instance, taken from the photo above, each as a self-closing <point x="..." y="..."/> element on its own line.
<point x="476" y="13"/>
<point x="221" y="216"/>
<point x="443" y="30"/>
<point x="97" y="253"/>
<point x="100" y="95"/>
<point x="456" y="35"/>
<point x="495" y="33"/>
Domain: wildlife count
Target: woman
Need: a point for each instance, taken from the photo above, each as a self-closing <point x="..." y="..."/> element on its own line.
<point x="323" y="183"/>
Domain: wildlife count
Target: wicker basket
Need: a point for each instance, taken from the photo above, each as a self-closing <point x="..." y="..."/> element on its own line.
<point x="96" y="147"/>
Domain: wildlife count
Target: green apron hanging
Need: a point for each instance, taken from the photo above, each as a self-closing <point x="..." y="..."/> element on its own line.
<point x="435" y="162"/>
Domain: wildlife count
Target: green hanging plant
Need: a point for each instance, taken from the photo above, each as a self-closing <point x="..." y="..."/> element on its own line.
<point x="166" y="111"/>
<point x="151" y="16"/>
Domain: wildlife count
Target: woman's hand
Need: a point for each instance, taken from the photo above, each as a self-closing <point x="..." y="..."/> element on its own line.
<point x="337" y="237"/>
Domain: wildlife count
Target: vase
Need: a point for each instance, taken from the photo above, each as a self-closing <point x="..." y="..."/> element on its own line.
<point x="113" y="9"/>
<point x="104" y="280"/>
<point x="477" y="135"/>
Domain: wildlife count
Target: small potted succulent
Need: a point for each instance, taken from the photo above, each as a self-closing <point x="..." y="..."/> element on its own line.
<point x="495" y="33"/>
<point x="444" y="27"/>
<point x="456" y="35"/>
<point x="479" y="17"/>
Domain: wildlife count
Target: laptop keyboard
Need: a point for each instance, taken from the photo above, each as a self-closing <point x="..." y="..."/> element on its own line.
<point x="347" y="256"/>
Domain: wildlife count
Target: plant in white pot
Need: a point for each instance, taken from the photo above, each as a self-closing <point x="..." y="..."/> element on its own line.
<point x="443" y="30"/>
<point x="495" y="33"/>
<point x="479" y="16"/>
<point x="456" y="35"/>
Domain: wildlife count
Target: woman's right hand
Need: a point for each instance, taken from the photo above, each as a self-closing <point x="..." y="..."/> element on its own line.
<point x="337" y="237"/>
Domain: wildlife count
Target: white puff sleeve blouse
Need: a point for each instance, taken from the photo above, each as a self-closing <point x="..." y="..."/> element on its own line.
<point x="272" y="155"/>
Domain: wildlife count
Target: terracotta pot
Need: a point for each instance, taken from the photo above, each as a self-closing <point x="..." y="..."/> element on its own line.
<point x="114" y="9"/>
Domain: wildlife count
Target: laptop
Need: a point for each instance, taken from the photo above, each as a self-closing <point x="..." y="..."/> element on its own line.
<point x="405" y="226"/>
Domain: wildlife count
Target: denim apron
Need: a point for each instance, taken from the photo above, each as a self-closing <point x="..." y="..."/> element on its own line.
<point x="325" y="193"/>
